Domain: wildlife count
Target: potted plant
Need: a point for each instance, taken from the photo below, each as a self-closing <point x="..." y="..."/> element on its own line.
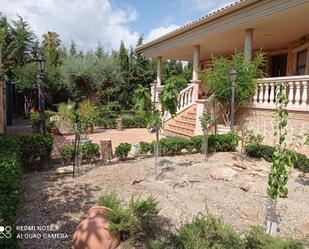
<point x="94" y="231"/>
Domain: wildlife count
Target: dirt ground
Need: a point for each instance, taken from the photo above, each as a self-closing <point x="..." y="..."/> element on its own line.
<point x="186" y="187"/>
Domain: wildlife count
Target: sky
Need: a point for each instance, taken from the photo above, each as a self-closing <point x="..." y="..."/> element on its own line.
<point x="88" y="22"/>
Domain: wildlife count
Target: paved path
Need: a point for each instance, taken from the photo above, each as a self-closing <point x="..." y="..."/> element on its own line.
<point x="132" y="136"/>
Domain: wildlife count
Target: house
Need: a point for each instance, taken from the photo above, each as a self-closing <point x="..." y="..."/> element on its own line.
<point x="279" y="27"/>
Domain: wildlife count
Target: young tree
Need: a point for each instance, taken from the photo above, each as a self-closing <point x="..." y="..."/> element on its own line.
<point x="217" y="79"/>
<point x="279" y="174"/>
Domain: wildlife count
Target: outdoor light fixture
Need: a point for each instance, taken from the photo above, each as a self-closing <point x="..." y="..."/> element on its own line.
<point x="233" y="77"/>
<point x="40" y="62"/>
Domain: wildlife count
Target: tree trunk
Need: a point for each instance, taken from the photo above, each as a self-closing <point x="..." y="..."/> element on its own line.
<point x="106" y="150"/>
<point x="2" y="104"/>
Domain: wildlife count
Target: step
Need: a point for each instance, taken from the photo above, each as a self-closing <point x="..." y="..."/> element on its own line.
<point x="189" y="123"/>
<point x="181" y="133"/>
<point x="182" y="128"/>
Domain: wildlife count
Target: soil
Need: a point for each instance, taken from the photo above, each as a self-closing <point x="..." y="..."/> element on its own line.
<point x="186" y="186"/>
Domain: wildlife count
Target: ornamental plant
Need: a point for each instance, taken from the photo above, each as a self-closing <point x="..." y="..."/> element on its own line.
<point x="217" y="79"/>
<point x="279" y="175"/>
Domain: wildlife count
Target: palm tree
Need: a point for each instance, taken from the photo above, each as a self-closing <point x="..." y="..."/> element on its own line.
<point x="51" y="40"/>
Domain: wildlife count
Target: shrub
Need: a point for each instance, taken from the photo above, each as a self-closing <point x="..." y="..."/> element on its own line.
<point x="134" y="122"/>
<point x="10" y="182"/>
<point x="209" y="232"/>
<point x="35" y="121"/>
<point x="35" y="146"/>
<point x="299" y="161"/>
<point x="133" y="222"/>
<point x="217" y="142"/>
<point x="122" y="150"/>
<point x="145" y="148"/>
<point x="206" y="232"/>
<point x="257" y="237"/>
<point x="106" y="115"/>
<point x="172" y="146"/>
<point x="90" y="151"/>
<point x="109" y="200"/>
<point x="67" y="153"/>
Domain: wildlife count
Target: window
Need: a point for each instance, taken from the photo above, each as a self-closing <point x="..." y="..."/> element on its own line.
<point x="301" y="62"/>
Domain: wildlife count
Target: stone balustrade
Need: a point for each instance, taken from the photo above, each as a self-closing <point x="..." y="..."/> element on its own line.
<point x="296" y="87"/>
<point x="187" y="97"/>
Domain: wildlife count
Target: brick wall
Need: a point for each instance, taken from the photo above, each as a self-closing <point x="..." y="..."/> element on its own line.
<point x="262" y="121"/>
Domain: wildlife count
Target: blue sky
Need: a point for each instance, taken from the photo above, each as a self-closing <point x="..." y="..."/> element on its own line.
<point x="88" y="22"/>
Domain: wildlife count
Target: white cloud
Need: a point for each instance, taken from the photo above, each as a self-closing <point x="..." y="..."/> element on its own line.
<point x="84" y="21"/>
<point x="157" y="32"/>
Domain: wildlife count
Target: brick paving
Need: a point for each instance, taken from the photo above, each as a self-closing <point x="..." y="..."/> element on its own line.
<point x="132" y="136"/>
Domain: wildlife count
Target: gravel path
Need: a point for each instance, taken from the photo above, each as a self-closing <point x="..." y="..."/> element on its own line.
<point x="186" y="187"/>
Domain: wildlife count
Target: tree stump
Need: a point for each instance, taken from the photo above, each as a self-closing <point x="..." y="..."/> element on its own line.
<point x="119" y="124"/>
<point x="106" y="150"/>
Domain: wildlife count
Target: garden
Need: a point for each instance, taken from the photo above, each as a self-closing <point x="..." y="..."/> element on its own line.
<point x="208" y="191"/>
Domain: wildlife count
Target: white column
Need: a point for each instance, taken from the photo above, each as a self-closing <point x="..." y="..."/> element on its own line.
<point x="297" y="94"/>
<point x="291" y="94"/>
<point x="305" y="94"/>
<point x="248" y="44"/>
<point x="272" y="94"/>
<point x="159" y="71"/>
<point x="196" y="62"/>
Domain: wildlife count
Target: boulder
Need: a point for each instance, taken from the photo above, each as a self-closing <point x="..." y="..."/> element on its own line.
<point x="224" y="174"/>
<point x="250" y="213"/>
<point x="303" y="229"/>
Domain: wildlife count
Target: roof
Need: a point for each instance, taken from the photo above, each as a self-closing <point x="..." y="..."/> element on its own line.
<point x="201" y="21"/>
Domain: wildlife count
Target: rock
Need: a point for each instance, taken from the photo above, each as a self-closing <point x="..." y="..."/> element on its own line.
<point x="225" y="174"/>
<point x="245" y="187"/>
<point x="64" y="170"/>
<point x="303" y="229"/>
<point x="250" y="213"/>
<point x="63" y="124"/>
<point x="240" y="165"/>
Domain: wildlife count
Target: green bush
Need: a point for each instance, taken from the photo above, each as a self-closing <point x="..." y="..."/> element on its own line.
<point x="145" y="148"/>
<point x="134" y="122"/>
<point x="90" y="151"/>
<point x="257" y="238"/>
<point x="207" y="232"/>
<point x="109" y="200"/>
<point x="10" y="182"/>
<point x="35" y="121"/>
<point x="106" y="115"/>
<point x="217" y="142"/>
<point x="35" y="146"/>
<point x="172" y="146"/>
<point x="122" y="150"/>
<point x="136" y="221"/>
<point x="299" y="161"/>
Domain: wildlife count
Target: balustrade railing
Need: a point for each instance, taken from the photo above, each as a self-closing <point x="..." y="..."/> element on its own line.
<point x="187" y="97"/>
<point x="297" y="91"/>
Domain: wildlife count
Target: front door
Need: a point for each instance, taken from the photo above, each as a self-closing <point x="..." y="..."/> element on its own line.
<point x="278" y="65"/>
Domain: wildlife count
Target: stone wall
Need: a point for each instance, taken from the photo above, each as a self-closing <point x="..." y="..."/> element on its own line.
<point x="262" y="121"/>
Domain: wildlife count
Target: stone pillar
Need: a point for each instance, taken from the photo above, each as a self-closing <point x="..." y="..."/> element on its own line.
<point x="196" y="62"/>
<point x="159" y="71"/>
<point x="248" y="44"/>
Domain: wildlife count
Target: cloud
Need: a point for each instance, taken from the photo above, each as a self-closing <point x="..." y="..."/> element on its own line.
<point x="157" y="32"/>
<point x="84" y="21"/>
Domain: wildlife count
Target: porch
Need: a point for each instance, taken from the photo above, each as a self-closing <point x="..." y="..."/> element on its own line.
<point x="279" y="28"/>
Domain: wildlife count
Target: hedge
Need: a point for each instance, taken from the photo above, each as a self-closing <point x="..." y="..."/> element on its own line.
<point x="176" y="146"/>
<point x="134" y="122"/>
<point x="17" y="151"/>
<point x="35" y="120"/>
<point x="90" y="152"/>
<point x="299" y="161"/>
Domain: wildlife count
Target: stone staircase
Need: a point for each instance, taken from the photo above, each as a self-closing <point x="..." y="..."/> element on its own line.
<point x="183" y="124"/>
